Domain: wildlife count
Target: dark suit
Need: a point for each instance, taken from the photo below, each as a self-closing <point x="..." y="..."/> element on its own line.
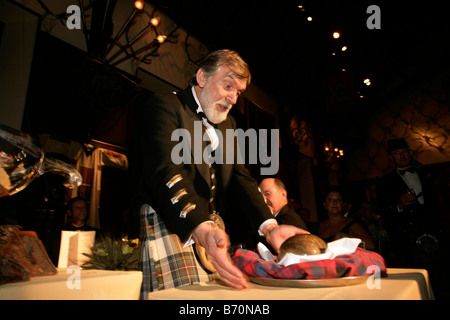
<point x="406" y="226"/>
<point x="287" y="215"/>
<point x="389" y="190"/>
<point x="186" y="203"/>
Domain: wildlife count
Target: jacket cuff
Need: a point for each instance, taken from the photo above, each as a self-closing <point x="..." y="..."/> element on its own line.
<point x="266" y="226"/>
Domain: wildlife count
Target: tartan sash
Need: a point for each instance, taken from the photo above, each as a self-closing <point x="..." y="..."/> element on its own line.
<point x="164" y="262"/>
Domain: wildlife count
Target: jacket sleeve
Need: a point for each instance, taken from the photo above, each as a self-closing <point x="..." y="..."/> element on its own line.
<point x="244" y="189"/>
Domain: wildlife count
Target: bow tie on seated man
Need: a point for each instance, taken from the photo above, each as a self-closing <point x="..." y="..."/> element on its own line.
<point x="403" y="171"/>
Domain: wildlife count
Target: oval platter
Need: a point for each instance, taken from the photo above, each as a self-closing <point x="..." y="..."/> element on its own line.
<point x="311" y="283"/>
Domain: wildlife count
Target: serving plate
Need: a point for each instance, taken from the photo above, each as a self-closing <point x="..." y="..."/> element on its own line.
<point x="311" y="283"/>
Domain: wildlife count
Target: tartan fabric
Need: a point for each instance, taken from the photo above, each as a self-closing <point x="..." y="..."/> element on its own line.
<point x="356" y="264"/>
<point x="163" y="260"/>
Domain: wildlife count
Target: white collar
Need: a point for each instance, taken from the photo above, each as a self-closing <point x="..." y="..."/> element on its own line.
<point x="199" y="108"/>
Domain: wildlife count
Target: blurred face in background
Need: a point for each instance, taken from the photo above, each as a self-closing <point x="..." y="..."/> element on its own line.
<point x="401" y="158"/>
<point x="333" y="203"/>
<point x="78" y="212"/>
<point x="275" y="197"/>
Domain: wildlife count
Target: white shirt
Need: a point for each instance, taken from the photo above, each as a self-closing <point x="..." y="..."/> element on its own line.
<point x="413" y="182"/>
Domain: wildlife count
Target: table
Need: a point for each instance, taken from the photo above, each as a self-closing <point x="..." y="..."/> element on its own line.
<point x="76" y="284"/>
<point x="401" y="284"/>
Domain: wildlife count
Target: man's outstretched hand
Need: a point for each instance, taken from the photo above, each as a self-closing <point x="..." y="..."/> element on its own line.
<point x="216" y="243"/>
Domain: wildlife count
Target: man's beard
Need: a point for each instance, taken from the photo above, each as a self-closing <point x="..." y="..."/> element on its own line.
<point x="209" y="108"/>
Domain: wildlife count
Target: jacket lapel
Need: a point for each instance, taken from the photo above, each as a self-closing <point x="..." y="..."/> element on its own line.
<point x="192" y="124"/>
<point x="402" y="187"/>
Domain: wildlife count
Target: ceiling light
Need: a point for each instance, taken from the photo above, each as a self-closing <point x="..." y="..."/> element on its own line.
<point x="155" y="21"/>
<point x="139" y="5"/>
<point x="367" y="82"/>
<point x="161" y="38"/>
<point x="344" y="48"/>
<point x="309" y="18"/>
<point x="336" y="35"/>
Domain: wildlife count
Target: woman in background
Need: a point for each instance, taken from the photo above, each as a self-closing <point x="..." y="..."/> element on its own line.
<point x="338" y="226"/>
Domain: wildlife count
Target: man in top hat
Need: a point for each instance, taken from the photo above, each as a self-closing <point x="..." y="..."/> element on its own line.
<point x="407" y="203"/>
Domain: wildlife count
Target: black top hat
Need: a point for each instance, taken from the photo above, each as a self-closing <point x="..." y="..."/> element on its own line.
<point x="395" y="144"/>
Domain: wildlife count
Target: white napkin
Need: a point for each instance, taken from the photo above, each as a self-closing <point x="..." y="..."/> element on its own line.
<point x="73" y="245"/>
<point x="335" y="248"/>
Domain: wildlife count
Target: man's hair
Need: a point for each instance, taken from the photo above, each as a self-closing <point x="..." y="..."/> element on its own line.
<point x="71" y="202"/>
<point x="338" y="189"/>
<point x="224" y="57"/>
<point x="396" y="144"/>
<point x="279" y="184"/>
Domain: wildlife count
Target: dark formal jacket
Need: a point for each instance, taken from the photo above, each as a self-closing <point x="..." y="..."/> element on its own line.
<point x="181" y="192"/>
<point x="287" y="215"/>
<point x="71" y="227"/>
<point x="389" y="190"/>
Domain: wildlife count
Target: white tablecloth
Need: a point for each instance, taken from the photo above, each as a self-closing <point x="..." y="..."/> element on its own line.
<point x="401" y="284"/>
<point x="85" y="285"/>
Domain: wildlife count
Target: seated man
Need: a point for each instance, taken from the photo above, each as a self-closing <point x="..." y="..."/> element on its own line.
<point x="77" y="215"/>
<point x="275" y="195"/>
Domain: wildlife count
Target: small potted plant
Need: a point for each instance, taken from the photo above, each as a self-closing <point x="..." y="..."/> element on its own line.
<point x="113" y="254"/>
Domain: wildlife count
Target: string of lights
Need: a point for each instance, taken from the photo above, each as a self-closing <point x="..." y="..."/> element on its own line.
<point x="129" y="43"/>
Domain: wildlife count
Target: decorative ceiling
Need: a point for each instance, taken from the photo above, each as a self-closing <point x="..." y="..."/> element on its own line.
<point x="307" y="70"/>
<point x="291" y="56"/>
